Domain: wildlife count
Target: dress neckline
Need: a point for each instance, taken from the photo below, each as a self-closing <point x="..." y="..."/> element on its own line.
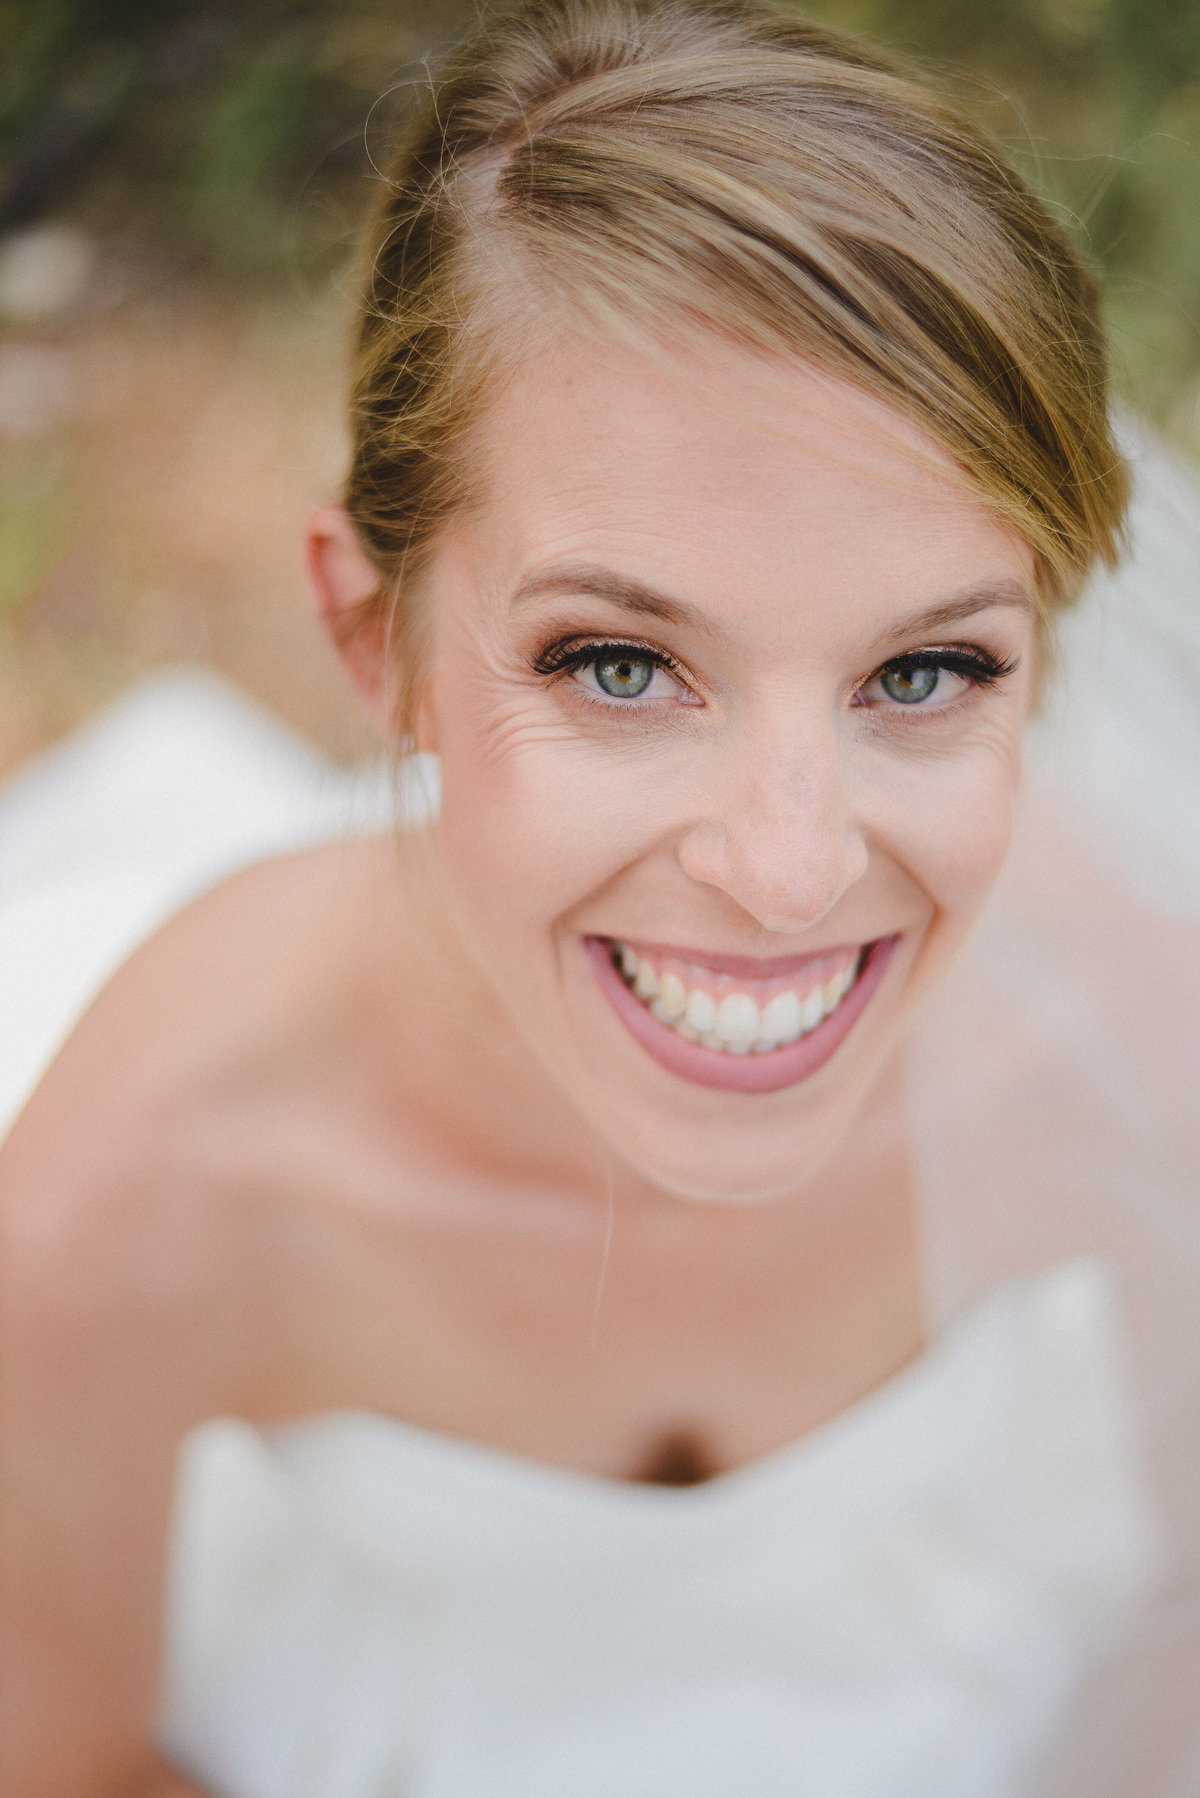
<point x="972" y="1370"/>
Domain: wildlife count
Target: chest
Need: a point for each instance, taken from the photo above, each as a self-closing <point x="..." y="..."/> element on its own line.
<point x="588" y="1342"/>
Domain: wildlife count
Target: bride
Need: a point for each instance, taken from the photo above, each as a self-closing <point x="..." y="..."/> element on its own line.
<point x="598" y="1291"/>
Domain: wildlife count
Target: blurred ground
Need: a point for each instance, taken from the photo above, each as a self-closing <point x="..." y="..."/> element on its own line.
<point x="158" y="460"/>
<point x="179" y="184"/>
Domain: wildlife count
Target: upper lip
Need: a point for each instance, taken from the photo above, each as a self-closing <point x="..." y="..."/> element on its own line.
<point x="742" y="967"/>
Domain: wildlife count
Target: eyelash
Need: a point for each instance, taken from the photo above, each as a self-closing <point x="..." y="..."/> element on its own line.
<point x="569" y="656"/>
<point x="972" y="661"/>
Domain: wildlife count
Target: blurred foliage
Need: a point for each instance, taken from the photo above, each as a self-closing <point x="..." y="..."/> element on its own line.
<point x="1098" y="101"/>
<point x="234" y="135"/>
<point x="216" y="129"/>
<point x="34" y="507"/>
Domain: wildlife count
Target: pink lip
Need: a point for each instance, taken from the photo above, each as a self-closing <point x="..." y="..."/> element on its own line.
<point x="740" y="1073"/>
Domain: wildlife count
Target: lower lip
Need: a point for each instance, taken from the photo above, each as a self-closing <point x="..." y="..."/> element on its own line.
<point x="765" y="1073"/>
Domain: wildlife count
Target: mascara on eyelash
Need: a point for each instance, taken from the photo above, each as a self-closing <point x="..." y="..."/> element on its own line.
<point x="978" y="664"/>
<point x="577" y="653"/>
<point x="982" y="667"/>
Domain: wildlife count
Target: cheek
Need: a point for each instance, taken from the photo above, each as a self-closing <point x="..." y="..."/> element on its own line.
<point x="951" y="828"/>
<point x="536" y="821"/>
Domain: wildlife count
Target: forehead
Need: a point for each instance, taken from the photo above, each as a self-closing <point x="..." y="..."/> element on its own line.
<point x="744" y="485"/>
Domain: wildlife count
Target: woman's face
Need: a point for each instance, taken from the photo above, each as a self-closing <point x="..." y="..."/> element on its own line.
<point x="728" y="675"/>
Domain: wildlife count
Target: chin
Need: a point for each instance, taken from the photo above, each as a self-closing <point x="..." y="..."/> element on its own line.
<point x="737" y="1150"/>
<point x="731" y="1163"/>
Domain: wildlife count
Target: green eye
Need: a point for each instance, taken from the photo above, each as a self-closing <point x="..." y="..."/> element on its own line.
<point x="909" y="682"/>
<point x="623" y="676"/>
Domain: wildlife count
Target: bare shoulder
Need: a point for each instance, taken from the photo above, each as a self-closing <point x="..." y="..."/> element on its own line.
<point x="209" y="991"/>
<point x="129" y="1187"/>
<point x="119" y="1163"/>
<point x="135" y="1226"/>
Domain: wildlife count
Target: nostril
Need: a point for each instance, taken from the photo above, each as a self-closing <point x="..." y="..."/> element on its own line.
<point x="788" y="876"/>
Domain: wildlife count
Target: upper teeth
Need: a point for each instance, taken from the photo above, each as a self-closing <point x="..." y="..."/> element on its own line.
<point x="735" y="1023"/>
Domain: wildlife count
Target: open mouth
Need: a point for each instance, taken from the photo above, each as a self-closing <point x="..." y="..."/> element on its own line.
<point x="734" y="1022"/>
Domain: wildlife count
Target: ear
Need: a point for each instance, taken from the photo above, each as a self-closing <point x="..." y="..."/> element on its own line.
<point x="344" y="580"/>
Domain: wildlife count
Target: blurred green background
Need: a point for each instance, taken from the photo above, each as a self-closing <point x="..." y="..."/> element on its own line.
<point x="180" y="186"/>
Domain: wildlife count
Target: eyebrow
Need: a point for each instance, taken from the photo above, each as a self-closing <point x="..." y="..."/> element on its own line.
<point x="629" y="595"/>
<point x="953" y="611"/>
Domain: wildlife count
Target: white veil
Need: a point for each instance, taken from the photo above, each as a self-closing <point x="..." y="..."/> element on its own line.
<point x="1055" y="1079"/>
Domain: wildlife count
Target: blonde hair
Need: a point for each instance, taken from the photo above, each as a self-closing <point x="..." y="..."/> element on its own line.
<point x="724" y="166"/>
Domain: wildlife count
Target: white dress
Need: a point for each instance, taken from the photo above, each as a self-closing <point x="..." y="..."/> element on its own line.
<point x="914" y="1601"/>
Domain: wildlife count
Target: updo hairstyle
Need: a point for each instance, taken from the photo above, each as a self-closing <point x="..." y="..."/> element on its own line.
<point x="722" y="167"/>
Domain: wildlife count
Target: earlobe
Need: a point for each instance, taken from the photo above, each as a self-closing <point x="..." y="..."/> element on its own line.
<point x="345" y="581"/>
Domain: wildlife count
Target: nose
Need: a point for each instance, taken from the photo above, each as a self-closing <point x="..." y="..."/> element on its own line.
<point x="782" y="839"/>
